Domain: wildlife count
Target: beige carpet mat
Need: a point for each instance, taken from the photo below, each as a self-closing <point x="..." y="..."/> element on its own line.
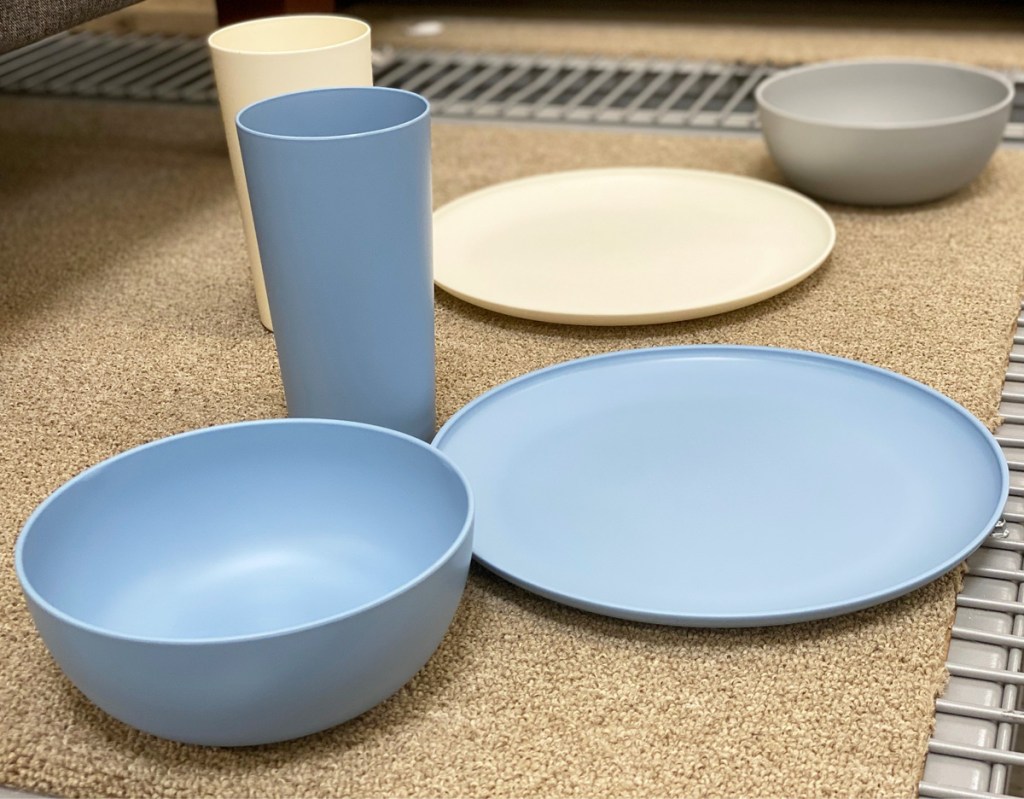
<point x="126" y="314"/>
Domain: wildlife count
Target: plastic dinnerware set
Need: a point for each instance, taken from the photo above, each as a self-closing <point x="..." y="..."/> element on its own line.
<point x="260" y="581"/>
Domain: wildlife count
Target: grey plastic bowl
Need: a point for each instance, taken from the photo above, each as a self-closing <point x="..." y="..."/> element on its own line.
<point x="883" y="132"/>
<point x="252" y="582"/>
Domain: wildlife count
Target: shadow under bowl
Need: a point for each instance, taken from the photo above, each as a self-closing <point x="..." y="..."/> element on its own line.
<point x="252" y="582"/>
<point x="883" y="132"/>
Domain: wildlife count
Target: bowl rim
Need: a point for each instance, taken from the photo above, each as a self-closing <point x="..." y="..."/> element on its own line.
<point x="30" y="590"/>
<point x="937" y="122"/>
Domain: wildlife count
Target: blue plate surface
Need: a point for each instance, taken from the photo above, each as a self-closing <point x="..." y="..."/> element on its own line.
<point x="724" y="486"/>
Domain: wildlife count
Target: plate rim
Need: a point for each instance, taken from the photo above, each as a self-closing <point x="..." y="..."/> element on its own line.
<point x="626" y="318"/>
<point x="738" y="620"/>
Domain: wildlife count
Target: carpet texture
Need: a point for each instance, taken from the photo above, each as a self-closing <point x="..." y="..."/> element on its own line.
<point x="27" y="21"/>
<point x="126" y="314"/>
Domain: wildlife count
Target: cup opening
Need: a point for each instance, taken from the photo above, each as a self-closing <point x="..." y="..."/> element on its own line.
<point x="289" y="34"/>
<point x="332" y="113"/>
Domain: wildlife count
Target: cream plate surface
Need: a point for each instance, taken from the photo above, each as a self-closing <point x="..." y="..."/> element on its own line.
<point x="627" y="246"/>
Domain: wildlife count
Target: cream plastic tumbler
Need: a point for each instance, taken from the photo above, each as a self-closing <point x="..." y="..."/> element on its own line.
<point x="267" y="57"/>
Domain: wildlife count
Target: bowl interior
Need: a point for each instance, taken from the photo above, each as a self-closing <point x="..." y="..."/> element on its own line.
<point x="884" y="93"/>
<point x="243" y="530"/>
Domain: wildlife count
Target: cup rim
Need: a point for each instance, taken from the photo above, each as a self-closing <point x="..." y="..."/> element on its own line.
<point x="212" y="43"/>
<point x="465" y="531"/>
<point x="882" y="126"/>
<point x="424" y="112"/>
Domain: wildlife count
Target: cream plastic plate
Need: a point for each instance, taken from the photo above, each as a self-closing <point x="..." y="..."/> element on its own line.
<point x="627" y="246"/>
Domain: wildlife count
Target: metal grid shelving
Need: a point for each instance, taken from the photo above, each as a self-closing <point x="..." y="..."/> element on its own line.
<point x="669" y="96"/>
<point x="972" y="750"/>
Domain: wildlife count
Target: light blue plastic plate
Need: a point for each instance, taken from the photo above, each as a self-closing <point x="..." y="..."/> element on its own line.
<point x="724" y="486"/>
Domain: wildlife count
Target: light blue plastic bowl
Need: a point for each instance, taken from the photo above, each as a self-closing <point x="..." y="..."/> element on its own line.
<point x="252" y="582"/>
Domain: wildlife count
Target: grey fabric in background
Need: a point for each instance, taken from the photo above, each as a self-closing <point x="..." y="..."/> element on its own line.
<point x="25" y="21"/>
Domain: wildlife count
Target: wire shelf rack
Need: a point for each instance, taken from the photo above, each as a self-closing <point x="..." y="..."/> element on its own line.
<point x="669" y="96"/>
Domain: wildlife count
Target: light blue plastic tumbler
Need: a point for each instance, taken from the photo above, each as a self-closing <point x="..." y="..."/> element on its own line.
<point x="339" y="181"/>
